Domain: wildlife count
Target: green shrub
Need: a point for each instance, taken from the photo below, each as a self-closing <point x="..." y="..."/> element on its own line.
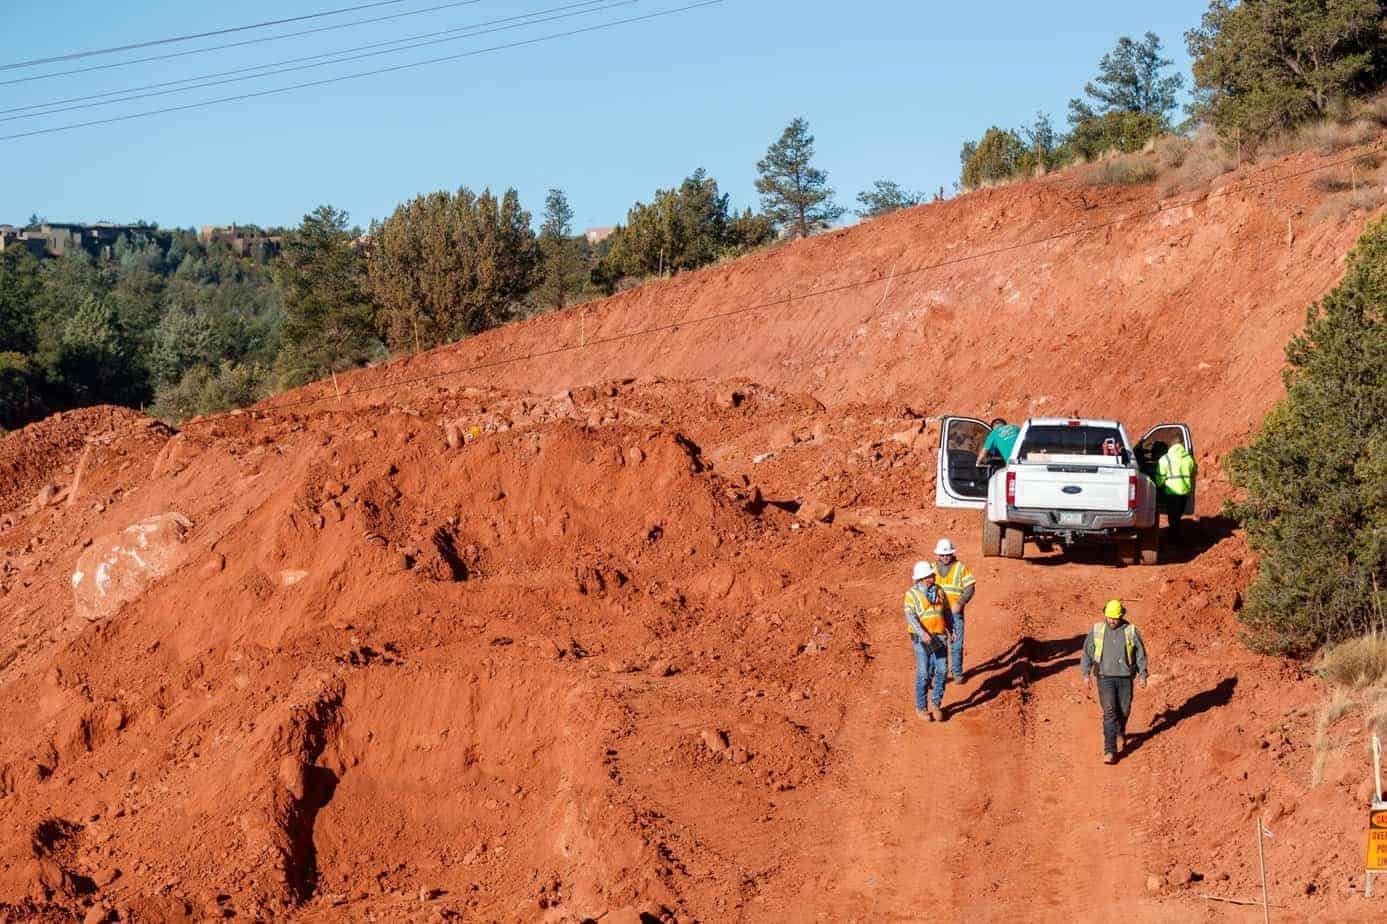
<point x="202" y="391"/>
<point x="1314" y="479"/>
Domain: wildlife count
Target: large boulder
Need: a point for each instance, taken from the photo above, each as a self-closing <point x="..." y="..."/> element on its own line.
<point x="117" y="568"/>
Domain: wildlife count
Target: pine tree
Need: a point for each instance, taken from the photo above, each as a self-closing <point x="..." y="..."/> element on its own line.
<point x="327" y="323"/>
<point x="561" y="257"/>
<point x="1314" y="479"/>
<point x="794" y="193"/>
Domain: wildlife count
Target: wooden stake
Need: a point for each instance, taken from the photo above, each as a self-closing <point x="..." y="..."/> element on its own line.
<point x="1231" y="901"/>
<point x="334" y="384"/>
<point x="1262" y="864"/>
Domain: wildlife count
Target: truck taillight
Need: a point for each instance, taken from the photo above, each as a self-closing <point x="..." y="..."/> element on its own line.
<point x="1131" y="492"/>
<point x="1011" y="488"/>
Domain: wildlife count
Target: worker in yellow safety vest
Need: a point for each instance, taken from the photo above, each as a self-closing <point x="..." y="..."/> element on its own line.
<point x="958" y="583"/>
<point x="1113" y="651"/>
<point x="1175" y="471"/>
<point x="929" y="622"/>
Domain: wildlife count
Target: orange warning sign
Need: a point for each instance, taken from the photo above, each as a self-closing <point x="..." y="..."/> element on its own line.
<point x="1377" y="840"/>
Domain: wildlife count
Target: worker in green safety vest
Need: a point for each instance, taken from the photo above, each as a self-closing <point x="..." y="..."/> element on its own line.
<point x="1175" y="470"/>
<point x="1113" y="651"/>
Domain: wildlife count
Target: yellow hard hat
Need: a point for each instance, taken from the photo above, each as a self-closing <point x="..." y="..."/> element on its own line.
<point x="1114" y="610"/>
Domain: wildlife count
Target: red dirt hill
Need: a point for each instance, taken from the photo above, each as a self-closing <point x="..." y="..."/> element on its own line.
<point x="633" y="652"/>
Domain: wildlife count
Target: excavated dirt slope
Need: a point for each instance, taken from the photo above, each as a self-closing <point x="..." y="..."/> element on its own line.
<point x="614" y="635"/>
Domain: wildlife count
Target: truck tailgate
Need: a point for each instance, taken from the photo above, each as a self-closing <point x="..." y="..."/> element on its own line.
<point x="1072" y="487"/>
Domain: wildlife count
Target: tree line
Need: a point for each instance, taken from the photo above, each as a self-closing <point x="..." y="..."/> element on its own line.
<point x="186" y="327"/>
<point x="1261" y="68"/>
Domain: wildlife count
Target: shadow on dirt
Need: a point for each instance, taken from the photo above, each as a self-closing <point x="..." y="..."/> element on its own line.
<point x="1218" y="695"/>
<point x="1028" y="660"/>
<point x="1200" y="535"/>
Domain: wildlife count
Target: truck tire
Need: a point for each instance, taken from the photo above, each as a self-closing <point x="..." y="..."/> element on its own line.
<point x="1149" y="546"/>
<point x="991" y="537"/>
<point x="1128" y="552"/>
<point x="1013" y="542"/>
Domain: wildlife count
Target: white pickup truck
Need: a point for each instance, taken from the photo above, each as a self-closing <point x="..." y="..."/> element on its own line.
<point x="1067" y="480"/>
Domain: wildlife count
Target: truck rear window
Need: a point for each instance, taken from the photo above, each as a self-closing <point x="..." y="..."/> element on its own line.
<point x="1071" y="441"/>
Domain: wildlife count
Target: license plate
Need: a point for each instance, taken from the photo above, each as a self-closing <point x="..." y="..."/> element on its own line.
<point x="1071" y="519"/>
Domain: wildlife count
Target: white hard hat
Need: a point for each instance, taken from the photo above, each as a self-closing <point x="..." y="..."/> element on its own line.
<point x="944" y="547"/>
<point x="923" y="569"/>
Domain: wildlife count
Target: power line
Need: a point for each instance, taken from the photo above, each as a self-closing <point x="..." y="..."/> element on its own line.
<point x="790" y="298"/>
<point x="255" y="41"/>
<point x="372" y="73"/>
<point x="197" y="35"/>
<point x="341" y="56"/>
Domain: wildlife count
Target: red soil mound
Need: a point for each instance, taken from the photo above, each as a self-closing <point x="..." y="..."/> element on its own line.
<point x="500" y="653"/>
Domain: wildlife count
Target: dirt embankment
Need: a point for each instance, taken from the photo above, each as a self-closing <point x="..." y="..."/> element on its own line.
<point x="632" y="651"/>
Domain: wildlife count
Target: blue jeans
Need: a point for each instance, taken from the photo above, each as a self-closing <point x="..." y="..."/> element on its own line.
<point x="956" y="646"/>
<point x="1115" y="694"/>
<point x="930" y="674"/>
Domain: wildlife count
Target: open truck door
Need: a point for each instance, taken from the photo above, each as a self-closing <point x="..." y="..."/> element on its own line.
<point x="959" y="480"/>
<point x="1170" y="434"/>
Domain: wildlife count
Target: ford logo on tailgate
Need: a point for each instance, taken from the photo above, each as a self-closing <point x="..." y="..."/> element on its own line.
<point x="1072" y="489"/>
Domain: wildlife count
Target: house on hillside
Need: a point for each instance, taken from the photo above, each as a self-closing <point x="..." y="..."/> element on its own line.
<point x="596" y="236"/>
<point x="243" y="241"/>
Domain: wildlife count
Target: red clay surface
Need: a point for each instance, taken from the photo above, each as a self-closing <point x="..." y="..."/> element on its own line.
<point x="591" y="666"/>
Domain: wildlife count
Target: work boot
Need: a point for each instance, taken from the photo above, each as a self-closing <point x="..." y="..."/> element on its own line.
<point x="1121" y="743"/>
<point x="958" y="676"/>
<point x="923" y="716"/>
<point x="936" y="714"/>
<point x="1109" y="758"/>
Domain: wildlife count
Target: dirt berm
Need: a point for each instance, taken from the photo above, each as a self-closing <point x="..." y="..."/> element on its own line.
<point x="614" y="634"/>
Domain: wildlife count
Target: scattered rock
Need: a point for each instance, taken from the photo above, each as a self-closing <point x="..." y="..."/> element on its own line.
<point x="635" y="455"/>
<point x="730" y="397"/>
<point x="97" y="914"/>
<point x="117" y="568"/>
<point x="814" y="512"/>
<point x="290" y="578"/>
<point x="713" y="740"/>
<point x="1154" y="883"/>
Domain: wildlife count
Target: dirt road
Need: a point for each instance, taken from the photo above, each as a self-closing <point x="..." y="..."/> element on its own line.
<point x="1004" y="812"/>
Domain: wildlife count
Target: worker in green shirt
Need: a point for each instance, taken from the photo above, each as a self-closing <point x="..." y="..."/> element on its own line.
<point x="1001" y="440"/>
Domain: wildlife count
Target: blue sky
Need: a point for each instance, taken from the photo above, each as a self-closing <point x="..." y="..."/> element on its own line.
<point x="891" y="88"/>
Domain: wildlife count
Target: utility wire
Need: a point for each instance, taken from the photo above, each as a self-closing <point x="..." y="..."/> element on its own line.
<point x="790" y="298"/>
<point x="72" y="56"/>
<point x="372" y="73"/>
<point x="255" y="41"/>
<point x="274" y="68"/>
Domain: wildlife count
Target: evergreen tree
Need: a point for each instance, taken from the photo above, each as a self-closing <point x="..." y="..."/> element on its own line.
<point x="327" y="323"/>
<point x="561" y="257"/>
<point x="681" y="230"/>
<point x="445" y="266"/>
<point x="794" y="193"/>
<point x="1130" y="100"/>
<point x="884" y="197"/>
<point x="1315" y="477"/>
<point x="998" y="156"/>
<point x="1263" y="66"/>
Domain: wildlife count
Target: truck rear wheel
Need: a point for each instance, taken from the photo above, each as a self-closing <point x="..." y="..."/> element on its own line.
<point x="1149" y="546"/>
<point x="991" y="537"/>
<point x="1013" y="542"/>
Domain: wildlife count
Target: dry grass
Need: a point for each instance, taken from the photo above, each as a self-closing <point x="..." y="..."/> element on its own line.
<point x="1339" y="705"/>
<point x="1357" y="663"/>
<point x="1374" y="110"/>
<point x="1193" y="163"/>
<point x="1331" y="183"/>
<point x="1126" y="170"/>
